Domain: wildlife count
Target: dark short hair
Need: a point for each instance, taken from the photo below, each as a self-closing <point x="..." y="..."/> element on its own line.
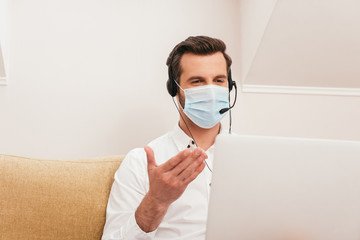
<point x="199" y="45"/>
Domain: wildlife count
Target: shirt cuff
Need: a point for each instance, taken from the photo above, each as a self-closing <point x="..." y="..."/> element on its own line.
<point x="135" y="232"/>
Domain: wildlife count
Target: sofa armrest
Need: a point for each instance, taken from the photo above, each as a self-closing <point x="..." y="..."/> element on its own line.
<point x="54" y="199"/>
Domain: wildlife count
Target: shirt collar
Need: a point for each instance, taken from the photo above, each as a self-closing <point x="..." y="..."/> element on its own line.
<point x="182" y="140"/>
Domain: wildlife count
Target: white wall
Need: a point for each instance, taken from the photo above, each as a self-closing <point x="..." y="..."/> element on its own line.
<point x="88" y="77"/>
<point x="4" y="35"/>
<point x="313" y="116"/>
<point x="310" y="116"/>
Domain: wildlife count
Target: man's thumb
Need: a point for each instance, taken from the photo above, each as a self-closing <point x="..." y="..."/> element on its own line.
<point x="150" y="158"/>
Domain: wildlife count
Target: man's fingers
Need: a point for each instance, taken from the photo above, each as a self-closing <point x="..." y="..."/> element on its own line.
<point x="185" y="166"/>
<point x="188" y="161"/>
<point x="174" y="161"/>
<point x="151" y="163"/>
<point x="197" y="161"/>
<point x="196" y="173"/>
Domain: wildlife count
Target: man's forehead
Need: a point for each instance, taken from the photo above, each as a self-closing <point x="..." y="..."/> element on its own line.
<point x="191" y="60"/>
<point x="199" y="57"/>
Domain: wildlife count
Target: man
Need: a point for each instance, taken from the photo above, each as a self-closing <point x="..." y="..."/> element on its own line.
<point x="162" y="191"/>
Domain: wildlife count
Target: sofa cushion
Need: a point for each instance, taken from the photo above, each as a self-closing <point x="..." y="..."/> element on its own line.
<point x="54" y="199"/>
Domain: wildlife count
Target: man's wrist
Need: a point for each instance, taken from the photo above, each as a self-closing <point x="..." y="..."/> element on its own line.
<point x="156" y="203"/>
<point x="150" y="213"/>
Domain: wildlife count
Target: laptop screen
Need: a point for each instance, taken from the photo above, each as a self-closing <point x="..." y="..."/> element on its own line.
<point x="284" y="188"/>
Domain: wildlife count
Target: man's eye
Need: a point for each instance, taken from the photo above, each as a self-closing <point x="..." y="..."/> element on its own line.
<point x="220" y="80"/>
<point x="196" y="81"/>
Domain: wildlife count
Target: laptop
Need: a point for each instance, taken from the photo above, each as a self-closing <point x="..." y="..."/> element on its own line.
<point x="275" y="188"/>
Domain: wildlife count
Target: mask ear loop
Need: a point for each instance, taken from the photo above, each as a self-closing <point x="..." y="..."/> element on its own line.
<point x="179" y="86"/>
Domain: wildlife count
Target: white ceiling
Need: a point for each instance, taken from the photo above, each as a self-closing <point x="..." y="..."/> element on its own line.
<point x="308" y="43"/>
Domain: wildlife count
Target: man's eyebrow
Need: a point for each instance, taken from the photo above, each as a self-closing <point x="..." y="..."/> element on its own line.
<point x="199" y="77"/>
<point x="194" y="78"/>
<point x="221" y="76"/>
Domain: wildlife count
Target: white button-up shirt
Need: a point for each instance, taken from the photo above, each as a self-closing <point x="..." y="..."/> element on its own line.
<point x="185" y="218"/>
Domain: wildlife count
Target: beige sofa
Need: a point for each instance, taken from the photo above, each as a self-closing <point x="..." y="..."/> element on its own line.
<point x="54" y="199"/>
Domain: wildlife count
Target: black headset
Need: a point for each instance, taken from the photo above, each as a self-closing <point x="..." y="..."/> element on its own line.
<point x="172" y="87"/>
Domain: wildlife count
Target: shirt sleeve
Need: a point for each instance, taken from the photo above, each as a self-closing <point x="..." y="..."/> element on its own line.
<point x="129" y="188"/>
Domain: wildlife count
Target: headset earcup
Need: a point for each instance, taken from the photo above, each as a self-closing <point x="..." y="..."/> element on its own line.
<point x="171" y="88"/>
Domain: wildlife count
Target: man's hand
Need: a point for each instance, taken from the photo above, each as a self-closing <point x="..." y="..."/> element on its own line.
<point x="167" y="182"/>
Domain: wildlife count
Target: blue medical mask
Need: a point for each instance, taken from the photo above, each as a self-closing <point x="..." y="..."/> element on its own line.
<point x="202" y="104"/>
